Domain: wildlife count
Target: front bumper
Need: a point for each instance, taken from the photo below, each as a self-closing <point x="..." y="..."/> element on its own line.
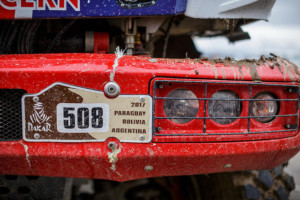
<point x="167" y="157"/>
<point x="92" y="160"/>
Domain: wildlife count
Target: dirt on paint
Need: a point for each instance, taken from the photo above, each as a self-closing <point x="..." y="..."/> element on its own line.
<point x="284" y="66"/>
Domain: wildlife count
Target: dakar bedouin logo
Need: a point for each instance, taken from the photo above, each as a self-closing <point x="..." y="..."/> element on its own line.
<point x="39" y="119"/>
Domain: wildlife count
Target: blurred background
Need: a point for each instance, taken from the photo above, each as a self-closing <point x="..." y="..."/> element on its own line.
<point x="280" y="35"/>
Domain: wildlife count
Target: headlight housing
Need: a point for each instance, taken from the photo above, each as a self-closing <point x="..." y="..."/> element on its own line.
<point x="264" y="107"/>
<point x="229" y="108"/>
<point x="180" y="107"/>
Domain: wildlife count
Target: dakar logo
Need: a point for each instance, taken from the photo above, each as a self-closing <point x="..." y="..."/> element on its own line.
<point x="40" y="4"/>
<point x="38" y="119"/>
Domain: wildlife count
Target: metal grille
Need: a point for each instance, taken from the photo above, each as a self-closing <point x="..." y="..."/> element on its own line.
<point x="205" y="117"/>
<point x="10" y="114"/>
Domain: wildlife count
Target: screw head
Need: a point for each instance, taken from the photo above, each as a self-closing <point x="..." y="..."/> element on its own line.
<point x="142" y="99"/>
<point x="148" y="168"/>
<point x="112" y="145"/>
<point x="228" y="165"/>
<point x="142" y="137"/>
<point x="35" y="99"/>
<point x="112" y="89"/>
<point x="158" y="129"/>
<point x="36" y="136"/>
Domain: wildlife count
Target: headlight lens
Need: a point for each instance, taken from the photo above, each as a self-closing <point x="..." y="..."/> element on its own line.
<point x="224" y="108"/>
<point x="181" y="107"/>
<point x="264" y="108"/>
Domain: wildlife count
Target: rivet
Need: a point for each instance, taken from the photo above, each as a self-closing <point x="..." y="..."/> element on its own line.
<point x="142" y="99"/>
<point x="139" y="5"/>
<point x="112" y="89"/>
<point x="36" y="136"/>
<point x="153" y="2"/>
<point x="142" y="137"/>
<point x="227" y="165"/>
<point x="160" y="86"/>
<point x="158" y="129"/>
<point x="35" y="99"/>
<point x="148" y="168"/>
<point x="112" y="145"/>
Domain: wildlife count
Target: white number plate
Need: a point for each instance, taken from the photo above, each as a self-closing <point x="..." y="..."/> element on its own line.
<point x="82" y="118"/>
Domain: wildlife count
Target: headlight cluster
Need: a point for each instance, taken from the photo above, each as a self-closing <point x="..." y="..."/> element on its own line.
<point x="224" y="107"/>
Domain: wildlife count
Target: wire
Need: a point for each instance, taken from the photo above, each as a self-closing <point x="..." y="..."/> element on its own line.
<point x="167" y="35"/>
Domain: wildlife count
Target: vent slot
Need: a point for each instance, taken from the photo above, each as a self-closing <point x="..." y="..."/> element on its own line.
<point x="11" y="114"/>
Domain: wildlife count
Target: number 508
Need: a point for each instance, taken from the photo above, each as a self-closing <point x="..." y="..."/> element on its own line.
<point x="82" y="117"/>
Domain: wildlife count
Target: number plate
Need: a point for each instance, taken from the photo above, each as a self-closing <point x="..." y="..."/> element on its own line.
<point x="67" y="113"/>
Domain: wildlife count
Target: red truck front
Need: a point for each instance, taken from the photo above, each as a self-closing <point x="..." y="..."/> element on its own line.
<point x="70" y="109"/>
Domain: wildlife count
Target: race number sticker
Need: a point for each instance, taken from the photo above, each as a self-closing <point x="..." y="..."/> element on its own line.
<point x="81" y="118"/>
<point x="67" y="113"/>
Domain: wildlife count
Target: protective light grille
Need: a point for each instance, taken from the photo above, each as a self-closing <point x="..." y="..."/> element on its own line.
<point x="11" y="114"/>
<point x="291" y="92"/>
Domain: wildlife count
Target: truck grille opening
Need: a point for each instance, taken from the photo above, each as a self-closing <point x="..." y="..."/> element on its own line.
<point x="232" y="111"/>
<point x="11" y="114"/>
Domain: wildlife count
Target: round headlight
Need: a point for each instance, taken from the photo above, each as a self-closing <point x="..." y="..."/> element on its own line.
<point x="264" y="108"/>
<point x="224" y="108"/>
<point x="181" y="107"/>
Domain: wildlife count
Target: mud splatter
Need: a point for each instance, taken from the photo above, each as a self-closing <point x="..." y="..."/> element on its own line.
<point x="279" y="68"/>
<point x="289" y="68"/>
<point x="223" y="73"/>
<point x="113" y="157"/>
<point x="237" y="74"/>
<point x="241" y="72"/>
<point x="254" y="73"/>
<point x="285" y="67"/>
<point x="215" y="71"/>
<point x="26" y="152"/>
<point x="234" y="75"/>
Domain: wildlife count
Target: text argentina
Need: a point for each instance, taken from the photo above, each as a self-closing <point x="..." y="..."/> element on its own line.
<point x="128" y="130"/>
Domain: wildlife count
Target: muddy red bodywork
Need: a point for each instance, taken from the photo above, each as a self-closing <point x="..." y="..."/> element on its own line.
<point x="168" y="155"/>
